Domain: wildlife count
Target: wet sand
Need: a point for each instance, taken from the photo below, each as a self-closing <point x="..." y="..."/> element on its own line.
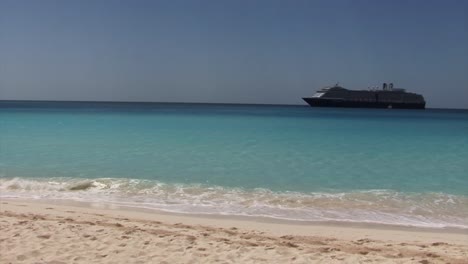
<point x="40" y="232"/>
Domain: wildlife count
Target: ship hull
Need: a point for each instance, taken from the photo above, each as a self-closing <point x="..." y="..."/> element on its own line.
<point x="320" y="102"/>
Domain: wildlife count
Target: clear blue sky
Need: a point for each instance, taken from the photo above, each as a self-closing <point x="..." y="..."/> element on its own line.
<point x="231" y="51"/>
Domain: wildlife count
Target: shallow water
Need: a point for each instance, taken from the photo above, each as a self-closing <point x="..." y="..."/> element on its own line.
<point x="401" y="167"/>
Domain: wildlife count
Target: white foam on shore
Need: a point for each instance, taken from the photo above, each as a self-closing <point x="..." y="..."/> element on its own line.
<point x="434" y="210"/>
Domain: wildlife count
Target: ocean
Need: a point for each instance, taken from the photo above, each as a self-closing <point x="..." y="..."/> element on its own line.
<point x="396" y="167"/>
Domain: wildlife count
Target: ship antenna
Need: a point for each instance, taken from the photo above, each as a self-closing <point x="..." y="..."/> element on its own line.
<point x="336" y="85"/>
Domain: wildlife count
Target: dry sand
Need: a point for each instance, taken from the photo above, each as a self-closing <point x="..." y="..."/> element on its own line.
<point x="38" y="232"/>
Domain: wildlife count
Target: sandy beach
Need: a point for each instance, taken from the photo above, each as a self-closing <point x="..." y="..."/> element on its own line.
<point x="39" y="232"/>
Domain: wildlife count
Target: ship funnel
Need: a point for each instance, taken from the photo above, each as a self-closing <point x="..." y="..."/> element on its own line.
<point x="384" y="86"/>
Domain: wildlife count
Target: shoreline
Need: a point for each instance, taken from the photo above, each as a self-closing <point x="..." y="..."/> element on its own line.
<point x="354" y="208"/>
<point x="255" y="218"/>
<point x="239" y="218"/>
<point x="182" y="238"/>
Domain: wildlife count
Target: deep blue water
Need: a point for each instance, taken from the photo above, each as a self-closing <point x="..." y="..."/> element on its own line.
<point x="293" y="162"/>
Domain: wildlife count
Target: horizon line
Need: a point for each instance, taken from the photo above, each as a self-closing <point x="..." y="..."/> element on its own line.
<point x="160" y="102"/>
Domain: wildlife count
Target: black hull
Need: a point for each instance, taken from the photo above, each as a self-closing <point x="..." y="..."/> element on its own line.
<point x="317" y="102"/>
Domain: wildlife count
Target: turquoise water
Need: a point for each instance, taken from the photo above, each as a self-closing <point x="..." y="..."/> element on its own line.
<point x="313" y="164"/>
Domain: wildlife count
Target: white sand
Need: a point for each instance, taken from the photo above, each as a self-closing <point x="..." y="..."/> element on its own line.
<point x="39" y="232"/>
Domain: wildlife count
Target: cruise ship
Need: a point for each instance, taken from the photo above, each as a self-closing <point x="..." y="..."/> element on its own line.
<point x="387" y="97"/>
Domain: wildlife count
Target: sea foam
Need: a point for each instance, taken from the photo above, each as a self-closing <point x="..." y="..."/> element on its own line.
<point x="435" y="210"/>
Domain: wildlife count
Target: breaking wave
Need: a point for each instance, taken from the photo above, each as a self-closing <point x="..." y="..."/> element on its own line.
<point x="435" y="210"/>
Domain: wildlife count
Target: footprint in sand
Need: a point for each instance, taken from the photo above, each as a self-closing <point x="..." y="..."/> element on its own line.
<point x="439" y="244"/>
<point x="289" y="244"/>
<point x="56" y="262"/>
<point x="432" y="255"/>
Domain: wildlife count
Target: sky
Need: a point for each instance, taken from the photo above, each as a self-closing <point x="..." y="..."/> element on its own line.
<point x="239" y="51"/>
